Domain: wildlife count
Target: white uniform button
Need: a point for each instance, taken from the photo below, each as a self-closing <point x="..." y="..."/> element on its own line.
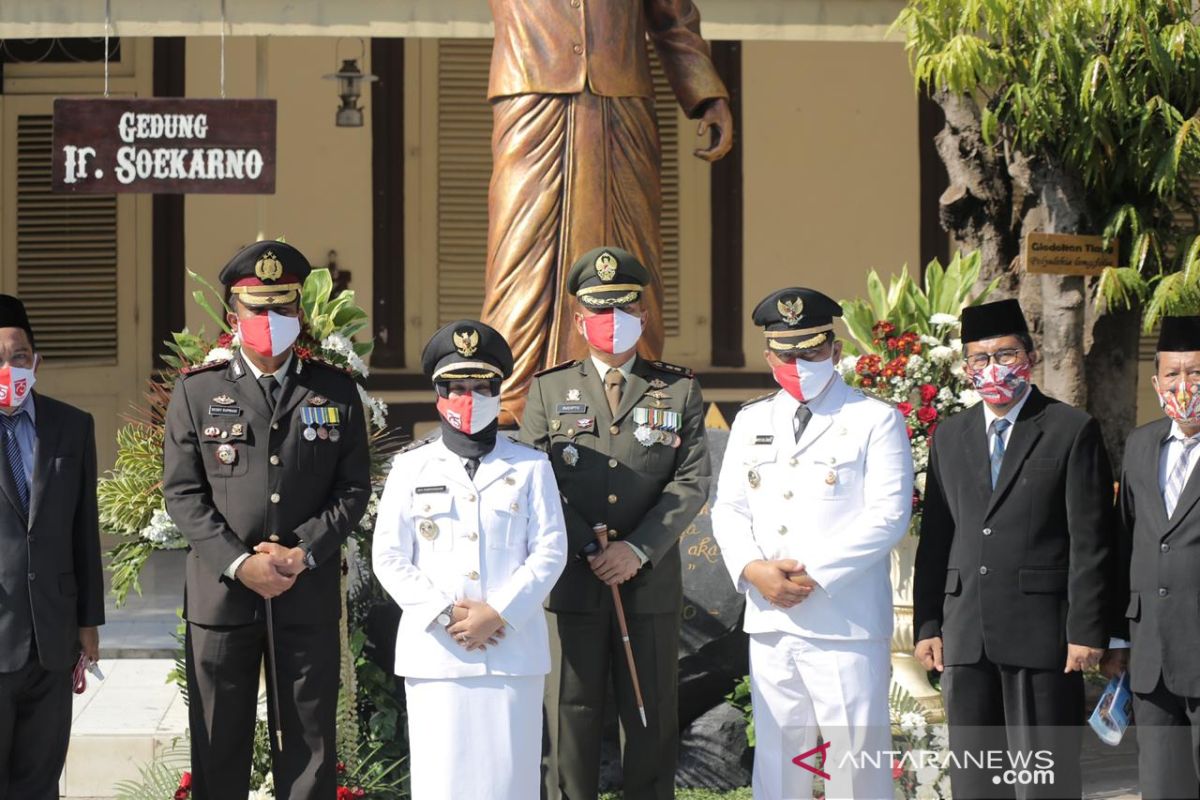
<point x="275" y="461"/>
<point x="473" y="575"/>
<point x="787" y="495"/>
<point x="792" y="462"/>
<point x="472" y="536"/>
<point x="782" y="529"/>
<point x="983" y="570"/>
<point x="275" y="498"/>
<point x="470" y="498"/>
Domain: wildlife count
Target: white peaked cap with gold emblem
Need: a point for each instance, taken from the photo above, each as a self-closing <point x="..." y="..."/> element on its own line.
<point x="464" y="349"/>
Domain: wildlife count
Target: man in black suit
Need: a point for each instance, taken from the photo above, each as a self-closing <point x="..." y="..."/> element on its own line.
<point x="266" y="472"/>
<point x="1159" y="572"/>
<point x="53" y="592"/>
<point x="1016" y="545"/>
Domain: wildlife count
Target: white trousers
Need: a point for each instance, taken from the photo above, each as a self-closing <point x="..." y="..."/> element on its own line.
<point x="800" y="686"/>
<point x="477" y="738"/>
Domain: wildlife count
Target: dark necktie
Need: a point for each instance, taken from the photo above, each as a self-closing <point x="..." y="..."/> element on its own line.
<point x="270" y="388"/>
<point x="998" y="428"/>
<point x="800" y="421"/>
<point x="471" y="465"/>
<point x="613" y="382"/>
<point x="12" y="452"/>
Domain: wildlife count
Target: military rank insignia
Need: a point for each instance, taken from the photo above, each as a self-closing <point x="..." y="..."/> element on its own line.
<point x="570" y="455"/>
<point x="321" y="422"/>
<point x="657" y="426"/>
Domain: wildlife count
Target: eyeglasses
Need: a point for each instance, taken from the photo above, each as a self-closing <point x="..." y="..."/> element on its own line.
<point x="1005" y="358"/>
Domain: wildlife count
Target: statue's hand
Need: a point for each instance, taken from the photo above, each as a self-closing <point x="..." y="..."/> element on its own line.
<point x="717" y="114"/>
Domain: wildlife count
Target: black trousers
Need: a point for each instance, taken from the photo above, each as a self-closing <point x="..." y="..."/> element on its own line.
<point x="586" y="654"/>
<point x="223" y="665"/>
<point x="1168" y="736"/>
<point x="35" y="729"/>
<point x="1016" y="713"/>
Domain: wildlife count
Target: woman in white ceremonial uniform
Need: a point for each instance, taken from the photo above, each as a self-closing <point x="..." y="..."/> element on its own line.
<point x="469" y="540"/>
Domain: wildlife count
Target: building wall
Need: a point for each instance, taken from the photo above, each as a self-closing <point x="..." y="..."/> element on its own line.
<point x="831" y="169"/>
<point x="322" y="197"/>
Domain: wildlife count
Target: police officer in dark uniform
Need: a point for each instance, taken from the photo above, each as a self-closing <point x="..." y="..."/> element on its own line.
<point x="626" y="439"/>
<point x="266" y="472"/>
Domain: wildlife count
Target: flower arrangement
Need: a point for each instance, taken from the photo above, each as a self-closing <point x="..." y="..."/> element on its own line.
<point x="919" y="766"/>
<point x="906" y="351"/>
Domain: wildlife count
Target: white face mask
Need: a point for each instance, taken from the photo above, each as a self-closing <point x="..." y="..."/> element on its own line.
<point x="15" y="385"/>
<point x="469" y="413"/>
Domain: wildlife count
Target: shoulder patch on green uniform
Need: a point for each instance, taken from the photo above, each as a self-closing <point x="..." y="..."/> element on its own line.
<point x="555" y="368"/>
<point x="205" y="367"/>
<point x="526" y="444"/>
<point x="873" y="396"/>
<point x="674" y="369"/>
<point x="415" y="443"/>
<point x="759" y="399"/>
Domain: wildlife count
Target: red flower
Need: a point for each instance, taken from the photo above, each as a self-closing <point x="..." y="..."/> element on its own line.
<point x="927" y="414"/>
<point x="303" y="353"/>
<point x="224" y="340"/>
<point x="883" y="328"/>
<point x="344" y="793"/>
<point x="868" y="365"/>
<point x="928" y="392"/>
<point x="932" y="428"/>
<point x="360" y="792"/>
<point x="893" y="344"/>
<point x="182" y="794"/>
<point x="897" y="770"/>
<point x="867" y="383"/>
<point x="904" y="408"/>
<point x="908" y="429"/>
<point x="341" y="767"/>
<point x="185" y="780"/>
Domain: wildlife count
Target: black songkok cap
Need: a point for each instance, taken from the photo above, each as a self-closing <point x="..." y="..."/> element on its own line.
<point x="12" y="315"/>
<point x="989" y="320"/>
<point x="1179" y="335"/>
<point x="467" y="349"/>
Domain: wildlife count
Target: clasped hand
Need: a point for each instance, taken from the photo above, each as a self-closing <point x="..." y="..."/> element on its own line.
<point x="783" y="582"/>
<point x="475" y="625"/>
<point x="615" y="564"/>
<point x="272" y="570"/>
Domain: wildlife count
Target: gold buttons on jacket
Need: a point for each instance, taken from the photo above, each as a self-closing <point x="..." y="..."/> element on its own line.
<point x="274" y="426"/>
<point x="782" y="529"/>
<point x="614" y="430"/>
<point x="792" y="462"/>
<point x="612" y="498"/>
<point x="472" y="536"/>
<point x="275" y="461"/>
<point x="787" y="495"/>
<point x="275" y="497"/>
<point x="473" y="575"/>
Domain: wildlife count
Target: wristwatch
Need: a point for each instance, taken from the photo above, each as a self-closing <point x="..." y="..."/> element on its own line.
<point x="309" y="561"/>
<point x="445" y="617"/>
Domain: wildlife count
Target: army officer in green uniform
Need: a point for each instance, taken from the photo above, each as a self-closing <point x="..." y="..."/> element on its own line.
<point x="266" y="472"/>
<point x="626" y="439"/>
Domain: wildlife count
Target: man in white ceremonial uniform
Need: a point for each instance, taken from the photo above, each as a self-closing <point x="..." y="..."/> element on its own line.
<point x="815" y="489"/>
<point x="469" y="541"/>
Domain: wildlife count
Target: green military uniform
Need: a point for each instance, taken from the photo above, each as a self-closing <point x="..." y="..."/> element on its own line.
<point x="645" y="472"/>
<point x="242" y="468"/>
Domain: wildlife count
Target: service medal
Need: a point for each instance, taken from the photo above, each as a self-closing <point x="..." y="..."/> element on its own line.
<point x="226" y="454"/>
<point x="237" y="429"/>
<point x="322" y="433"/>
<point x="428" y="529"/>
<point x="317" y="400"/>
<point x="223" y="400"/>
<point x="212" y="430"/>
<point x="555" y="424"/>
<point x="831" y="478"/>
<point x="753" y="477"/>
<point x="572" y="395"/>
<point x="570" y="455"/>
<point x="334" y="434"/>
<point x="309" y="434"/>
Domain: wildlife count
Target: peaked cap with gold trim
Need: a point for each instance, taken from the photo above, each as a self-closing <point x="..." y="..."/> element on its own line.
<point x="466" y="349"/>
<point x="267" y="273"/>
<point x="796" y="318"/>
<point x="607" y="277"/>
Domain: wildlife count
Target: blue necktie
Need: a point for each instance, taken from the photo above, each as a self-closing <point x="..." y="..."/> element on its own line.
<point x="16" y="466"/>
<point x="998" y="429"/>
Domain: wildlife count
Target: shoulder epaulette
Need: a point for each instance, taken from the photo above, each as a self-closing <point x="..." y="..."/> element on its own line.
<point x="759" y="399"/>
<point x="672" y="368"/>
<point x="320" y="362"/>
<point x="415" y="443"/>
<point x="555" y="368"/>
<point x="874" y="396"/>
<point x="205" y="367"/>
<point x="526" y="444"/>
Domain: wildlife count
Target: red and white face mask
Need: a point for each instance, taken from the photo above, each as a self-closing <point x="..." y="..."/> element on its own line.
<point x="15" y="385"/>
<point x="269" y="334"/>
<point x="1181" y="405"/>
<point x="469" y="413"/>
<point x="613" y="331"/>
<point x="802" y="379"/>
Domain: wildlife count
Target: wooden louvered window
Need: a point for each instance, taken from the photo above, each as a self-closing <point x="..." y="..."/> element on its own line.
<point x="464" y="168"/>
<point x="66" y="248"/>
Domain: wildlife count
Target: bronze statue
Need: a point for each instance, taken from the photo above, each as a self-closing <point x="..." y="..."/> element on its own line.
<point x="576" y="157"/>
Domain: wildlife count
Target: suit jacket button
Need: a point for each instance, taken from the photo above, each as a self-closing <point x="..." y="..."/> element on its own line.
<point x="983" y="570"/>
<point x="614" y="430"/>
<point x="1161" y="592"/>
<point x="612" y="498"/>
<point x="275" y="498"/>
<point x="274" y="537"/>
<point x="612" y="463"/>
<point x="32" y="576"/>
<point x="274" y="426"/>
<point x="275" y="461"/>
<point x="987" y="531"/>
<point x="1164" y="547"/>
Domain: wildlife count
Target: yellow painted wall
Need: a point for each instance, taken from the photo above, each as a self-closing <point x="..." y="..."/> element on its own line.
<point x="322" y="197"/>
<point x="831" y="169"/>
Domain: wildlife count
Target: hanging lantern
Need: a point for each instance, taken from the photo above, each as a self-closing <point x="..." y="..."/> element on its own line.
<point x="350" y="79"/>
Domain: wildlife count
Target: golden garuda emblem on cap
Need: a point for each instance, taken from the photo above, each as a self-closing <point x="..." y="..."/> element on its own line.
<point x="606" y="266"/>
<point x="466" y="342"/>
<point x="790" y="310"/>
<point x="268" y="267"/>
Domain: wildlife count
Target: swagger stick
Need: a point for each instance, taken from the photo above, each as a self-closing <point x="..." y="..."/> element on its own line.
<point x="273" y="675"/>
<point x="601" y="531"/>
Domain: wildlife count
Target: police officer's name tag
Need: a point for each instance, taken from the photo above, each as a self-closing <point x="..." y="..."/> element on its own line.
<point x="430" y="489"/>
<point x="224" y="411"/>
<point x="572" y="408"/>
<point x="764" y="438"/>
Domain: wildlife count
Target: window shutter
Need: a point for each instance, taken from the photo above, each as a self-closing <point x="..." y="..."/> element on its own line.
<point x="464" y="162"/>
<point x="66" y="256"/>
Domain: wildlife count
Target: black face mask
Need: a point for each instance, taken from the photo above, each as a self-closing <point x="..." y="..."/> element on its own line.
<point x="475" y="445"/>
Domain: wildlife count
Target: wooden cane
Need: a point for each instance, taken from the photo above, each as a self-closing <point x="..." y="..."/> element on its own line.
<point x="273" y="676"/>
<point x="601" y="531"/>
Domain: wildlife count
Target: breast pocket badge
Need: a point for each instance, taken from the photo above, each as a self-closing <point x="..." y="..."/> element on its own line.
<point x="570" y="455"/>
<point x="226" y="454"/>
<point x="428" y="529"/>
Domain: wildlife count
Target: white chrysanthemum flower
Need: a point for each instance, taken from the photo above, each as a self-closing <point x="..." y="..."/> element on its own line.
<point x="942" y="354"/>
<point x="941" y="737"/>
<point x="218" y="354"/>
<point x="377" y="406"/>
<point x="919" y="482"/>
<point x="928" y="790"/>
<point x="943" y="786"/>
<point x="968" y="397"/>
<point x="847" y="364"/>
<point x="946" y="395"/>
<point x="162" y="532"/>
<point x="956" y="344"/>
<point x="913" y="720"/>
<point x="931" y="341"/>
<point x="943" y="319"/>
<point x="336" y="343"/>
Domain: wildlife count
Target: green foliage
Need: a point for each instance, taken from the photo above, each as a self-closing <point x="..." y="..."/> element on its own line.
<point x="911" y="306"/>
<point x="739" y="698"/>
<point x="1108" y="91"/>
<point x="324" y="315"/>
<point x="159" y="778"/>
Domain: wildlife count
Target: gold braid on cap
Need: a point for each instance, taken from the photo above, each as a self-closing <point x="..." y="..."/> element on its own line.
<point x="278" y="294"/>
<point x="460" y="370"/>
<point x="609" y="287"/>
<point x="619" y="300"/>
<point x="774" y="337"/>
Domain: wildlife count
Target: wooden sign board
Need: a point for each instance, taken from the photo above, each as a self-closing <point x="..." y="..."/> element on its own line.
<point x="1068" y="254"/>
<point x="164" y="146"/>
